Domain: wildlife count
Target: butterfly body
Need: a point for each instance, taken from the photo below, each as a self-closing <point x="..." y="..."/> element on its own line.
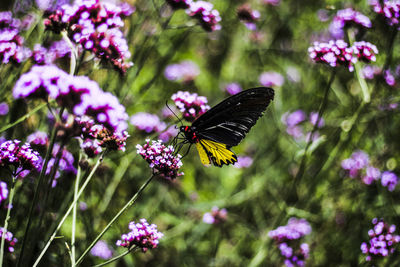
<point x="226" y="124"/>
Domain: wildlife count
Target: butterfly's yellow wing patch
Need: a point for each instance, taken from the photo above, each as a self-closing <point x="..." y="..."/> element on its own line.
<point x="218" y="152"/>
<point x="203" y="155"/>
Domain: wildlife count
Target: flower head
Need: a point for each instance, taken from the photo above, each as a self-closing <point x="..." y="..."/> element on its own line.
<point x="248" y="16"/>
<point x="271" y="78"/>
<point x="101" y="250"/>
<point x="3" y="191"/>
<point x="161" y="158"/>
<point x="216" y="216"/>
<point x="233" y="88"/>
<point x="169" y="133"/>
<point x="142" y="235"/>
<point x="390" y="10"/>
<point x="357" y="161"/>
<point x="207" y="16"/>
<point x="10" y="240"/>
<point x="147" y="122"/>
<point x="295" y="229"/>
<point x="243" y="162"/>
<point x="389" y="180"/>
<point x="346" y="18"/>
<point x="191" y="105"/>
<point x="185" y="71"/>
<point x="3" y="108"/>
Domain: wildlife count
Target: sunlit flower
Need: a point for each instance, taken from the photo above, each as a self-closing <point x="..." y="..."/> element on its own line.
<point x="184" y="71"/>
<point x="207" y="16"/>
<point x="295" y="229"/>
<point x="243" y="162"/>
<point x="191" y="105"/>
<point x="101" y="250"/>
<point x="147" y="122"/>
<point x="216" y="216"/>
<point x="271" y="78"/>
<point x="390" y="10"/>
<point x="346" y="18"/>
<point x="233" y="88"/>
<point x="142" y="235"/>
<point x="389" y="180"/>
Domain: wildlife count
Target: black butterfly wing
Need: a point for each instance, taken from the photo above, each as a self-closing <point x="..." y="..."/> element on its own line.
<point x="230" y="121"/>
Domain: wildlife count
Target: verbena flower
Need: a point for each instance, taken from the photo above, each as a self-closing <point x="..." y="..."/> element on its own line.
<point x="191" y="105"/>
<point x="389" y="78"/>
<point x="271" y="78"/>
<point x="185" y="71"/>
<point x="4" y="108"/>
<point x="389" y="180"/>
<point x="357" y="161"/>
<point x="38" y="141"/>
<point x="147" y="122"/>
<point x="48" y="55"/>
<point x="3" y="191"/>
<point x="65" y="163"/>
<point x="347" y="18"/>
<point x="299" y="125"/>
<point x="18" y="157"/>
<point x="371" y="174"/>
<point x="243" y="162"/>
<point x="179" y="4"/>
<point x="369" y="72"/>
<point x="248" y="16"/>
<point x="9" y="239"/>
<point x="216" y="216"/>
<point x="233" y="88"/>
<point x="382" y="240"/>
<point x="390" y="10"/>
<point x="294" y="257"/>
<point x="141" y="235"/>
<point x="101" y="250"/>
<point x="161" y="158"/>
<point x="337" y="53"/>
<point x="94" y="25"/>
<point x="168" y="134"/>
<point x="295" y="229"/>
<point x="207" y="16"/>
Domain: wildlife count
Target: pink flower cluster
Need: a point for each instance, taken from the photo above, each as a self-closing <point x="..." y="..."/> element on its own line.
<point x="95" y="25"/>
<point x="10" y="240"/>
<point x="185" y="71"/>
<point x="149" y="123"/>
<point x="346" y="18"/>
<point x="358" y="165"/>
<point x="161" y="158"/>
<point x="46" y="56"/>
<point x="142" y="235"/>
<point x="390" y="10"/>
<point x="79" y="94"/>
<point x="382" y="240"/>
<point x="337" y="53"/>
<point x="18" y="158"/>
<point x="216" y="216"/>
<point x="191" y="105"/>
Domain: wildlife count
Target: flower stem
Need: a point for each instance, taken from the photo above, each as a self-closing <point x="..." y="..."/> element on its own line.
<point x="127" y="205"/>
<point x="3" y="236"/>
<point x="78" y="174"/>
<point x="52" y="237"/>
<point x="74" y="54"/>
<point x="133" y="248"/>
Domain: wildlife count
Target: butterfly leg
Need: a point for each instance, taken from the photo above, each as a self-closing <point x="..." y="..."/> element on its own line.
<point x="187" y="151"/>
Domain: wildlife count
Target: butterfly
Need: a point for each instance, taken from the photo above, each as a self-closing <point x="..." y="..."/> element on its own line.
<point x="225" y="126"/>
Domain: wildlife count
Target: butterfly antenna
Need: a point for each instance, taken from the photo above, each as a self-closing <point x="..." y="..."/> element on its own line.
<point x="180" y="121"/>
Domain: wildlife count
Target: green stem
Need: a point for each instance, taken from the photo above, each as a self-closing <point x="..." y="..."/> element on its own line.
<point x="133" y="248"/>
<point x="69" y="209"/>
<point x="3" y="236"/>
<point x="78" y="175"/>
<point x="127" y="205"/>
<point x="74" y="54"/>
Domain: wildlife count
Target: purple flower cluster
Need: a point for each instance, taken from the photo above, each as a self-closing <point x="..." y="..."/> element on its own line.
<point x="297" y="123"/>
<point x="346" y="18"/>
<point x="149" y="123"/>
<point x="271" y="78"/>
<point x="216" y="216"/>
<point x="207" y="16"/>
<point x="390" y="10"/>
<point x="101" y="250"/>
<point x="161" y="158"/>
<point x="232" y="88"/>
<point x="20" y="157"/>
<point x="370" y="72"/>
<point x="243" y="162"/>
<point x="4" y="108"/>
<point x="337" y="53"/>
<point x="248" y="16"/>
<point x="79" y="94"/>
<point x="358" y="165"/>
<point x="38" y="141"/>
<point x="95" y="25"/>
<point x="185" y="71"/>
<point x="11" y="43"/>
<point x="65" y="162"/>
<point x="382" y="240"/>
<point x="191" y="105"/>
<point x="46" y="56"/>
<point x="179" y="4"/>
<point x="10" y="240"/>
<point x="285" y="237"/>
<point x="142" y="235"/>
<point x="3" y="191"/>
<point x="169" y="133"/>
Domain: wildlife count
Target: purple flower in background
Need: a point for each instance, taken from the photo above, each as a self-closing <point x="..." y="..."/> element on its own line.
<point x="243" y="162"/>
<point x="389" y="9"/>
<point x="369" y="72"/>
<point x="191" y="105"/>
<point x="161" y="158"/>
<point x="94" y="25"/>
<point x="147" y="122"/>
<point x="207" y="16"/>
<point x="295" y="229"/>
<point x="38" y="141"/>
<point x="142" y="235"/>
<point x="101" y="250"/>
<point x="248" y="16"/>
<point x="3" y="191"/>
<point x="50" y="5"/>
<point x="357" y="161"/>
<point x="233" y="88"/>
<point x="65" y="162"/>
<point x="47" y="56"/>
<point x="271" y="78"/>
<point x="382" y="240"/>
<point x="179" y="4"/>
<point x="10" y="240"/>
<point x="272" y="2"/>
<point x="297" y="123"/>
<point x="389" y="180"/>
<point x="346" y="18"/>
<point x="294" y="118"/>
<point x="3" y="108"/>
<point x="18" y="158"/>
<point x="371" y="174"/>
<point x="216" y="216"/>
<point x="166" y="135"/>
<point x="389" y="78"/>
<point x="185" y="71"/>
<point x="314" y="119"/>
